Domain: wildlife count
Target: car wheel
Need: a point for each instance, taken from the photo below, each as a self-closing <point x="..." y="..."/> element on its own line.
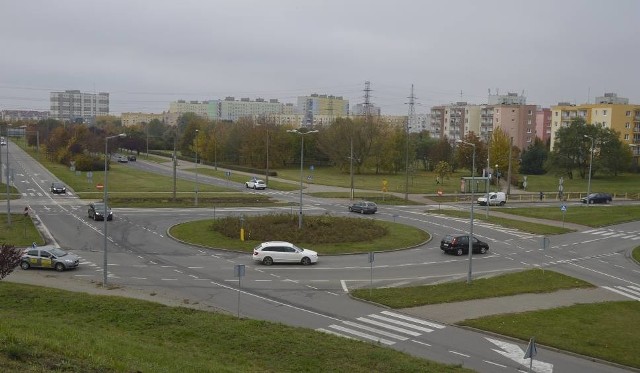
<point x="591" y="202"/>
<point x="267" y="261"/>
<point x="25" y="265"/>
<point x="305" y="261"/>
<point x="59" y="267"/>
<point x="246" y="186"/>
<point x="483" y="250"/>
<point x="502" y="203"/>
<point x="459" y="252"/>
<point x="254" y="187"/>
<point x="350" y="209"/>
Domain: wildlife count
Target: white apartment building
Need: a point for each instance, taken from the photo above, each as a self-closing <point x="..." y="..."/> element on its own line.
<point x="79" y="107"/>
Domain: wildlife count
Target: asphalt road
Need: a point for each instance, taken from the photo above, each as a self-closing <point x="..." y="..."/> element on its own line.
<point x="142" y="257"/>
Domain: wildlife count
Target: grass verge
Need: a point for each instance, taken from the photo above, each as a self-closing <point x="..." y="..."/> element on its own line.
<point x="601" y="330"/>
<point x="591" y="216"/>
<point x="530" y="281"/>
<point x="397" y="236"/>
<point x="50" y="330"/>
<point x="507" y="223"/>
<point x="20" y="233"/>
<point x="636" y="254"/>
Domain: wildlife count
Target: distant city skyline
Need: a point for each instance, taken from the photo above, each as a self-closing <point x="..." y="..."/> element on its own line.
<point x="147" y="54"/>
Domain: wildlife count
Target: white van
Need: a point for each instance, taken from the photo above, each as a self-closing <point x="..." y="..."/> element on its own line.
<point x="495" y="198"/>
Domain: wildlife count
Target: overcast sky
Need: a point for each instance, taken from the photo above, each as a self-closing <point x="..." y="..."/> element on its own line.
<point x="147" y="53"/>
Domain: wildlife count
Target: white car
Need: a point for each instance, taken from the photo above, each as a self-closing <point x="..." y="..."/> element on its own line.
<point x="271" y="252"/>
<point x="256" y="184"/>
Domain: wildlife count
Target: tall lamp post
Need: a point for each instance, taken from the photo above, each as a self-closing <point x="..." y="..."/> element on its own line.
<point x="590" y="164"/>
<point x="473" y="168"/>
<point x="197" y="167"/>
<point x="301" y="133"/>
<point x="105" y="213"/>
<point x="488" y="183"/>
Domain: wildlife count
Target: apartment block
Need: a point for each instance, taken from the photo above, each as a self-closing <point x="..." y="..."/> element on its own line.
<point x="130" y="119"/>
<point x="16" y="115"/>
<point x="232" y="109"/>
<point x="324" y="105"/>
<point x="609" y="111"/>
<point x="79" y="107"/>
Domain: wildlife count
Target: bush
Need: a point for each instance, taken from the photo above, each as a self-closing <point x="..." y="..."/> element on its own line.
<point x="9" y="259"/>
<point x="86" y="162"/>
<point x="317" y="229"/>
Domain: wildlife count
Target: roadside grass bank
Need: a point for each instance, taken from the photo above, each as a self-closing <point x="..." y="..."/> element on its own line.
<point x="187" y="199"/>
<point x="238" y="177"/>
<point x="529" y="281"/>
<point x="348" y="235"/>
<point x="591" y="216"/>
<point x="20" y="233"/>
<point x="524" y="226"/>
<point x="602" y="330"/>
<point x="379" y="198"/>
<point x="50" y="330"/>
<point x="636" y="254"/>
<point x="13" y="192"/>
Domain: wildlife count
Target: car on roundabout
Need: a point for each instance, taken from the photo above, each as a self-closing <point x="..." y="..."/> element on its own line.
<point x="256" y="184"/>
<point x="459" y="245"/>
<point x="271" y="252"/>
<point x="97" y="211"/>
<point x="597" y="198"/>
<point x="49" y="257"/>
<point x="364" y="207"/>
<point x="123" y="159"/>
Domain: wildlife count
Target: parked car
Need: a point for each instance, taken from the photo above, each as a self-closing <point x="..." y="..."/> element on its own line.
<point x="97" y="211"/>
<point x="364" y="207"/>
<point x="58" y="188"/>
<point x="49" y="257"/>
<point x="495" y="199"/>
<point x="123" y="159"/>
<point x="597" y="198"/>
<point x="459" y="245"/>
<point x="271" y="252"/>
<point x="256" y="184"/>
<point x="132" y="158"/>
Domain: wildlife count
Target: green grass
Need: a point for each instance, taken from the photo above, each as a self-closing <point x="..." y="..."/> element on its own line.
<point x="601" y="330"/>
<point x="398" y="235"/>
<point x="20" y="233"/>
<point x="13" y="192"/>
<point x="636" y="254"/>
<point x="592" y="216"/>
<point x="523" y="226"/>
<point x="240" y="177"/>
<point x="379" y="198"/>
<point x="530" y="281"/>
<point x="49" y="330"/>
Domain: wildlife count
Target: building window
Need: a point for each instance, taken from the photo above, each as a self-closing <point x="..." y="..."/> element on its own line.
<point x="628" y="113"/>
<point x="626" y="136"/>
<point x="604" y="113"/>
<point x="556" y="113"/>
<point x="529" y="130"/>
<point x="627" y="125"/>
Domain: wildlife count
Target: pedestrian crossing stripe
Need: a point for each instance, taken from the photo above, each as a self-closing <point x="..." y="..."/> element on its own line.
<point x="387" y="328"/>
<point x="632" y="292"/>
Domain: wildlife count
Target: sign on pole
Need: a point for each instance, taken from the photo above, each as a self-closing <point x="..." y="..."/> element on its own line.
<point x="371" y="259"/>
<point x="563" y="208"/>
<point x="531" y="352"/>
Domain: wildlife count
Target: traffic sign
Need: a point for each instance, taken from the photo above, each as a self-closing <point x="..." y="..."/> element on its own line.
<point x="99" y="186"/>
<point x="563" y="208"/>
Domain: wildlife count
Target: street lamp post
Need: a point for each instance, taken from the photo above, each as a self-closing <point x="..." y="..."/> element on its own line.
<point x="590" y="164"/>
<point x="197" y="168"/>
<point x="297" y="131"/>
<point x="497" y="177"/>
<point x="351" y="167"/>
<point x="473" y="167"/>
<point x="488" y="183"/>
<point x="105" y="213"/>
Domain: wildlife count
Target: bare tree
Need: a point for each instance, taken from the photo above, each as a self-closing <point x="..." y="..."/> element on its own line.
<point x="9" y="259"/>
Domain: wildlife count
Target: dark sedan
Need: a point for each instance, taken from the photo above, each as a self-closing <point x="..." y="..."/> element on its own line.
<point x="597" y="198"/>
<point x="459" y="245"/>
<point x="58" y="188"/>
<point x="364" y="207"/>
<point x="97" y="211"/>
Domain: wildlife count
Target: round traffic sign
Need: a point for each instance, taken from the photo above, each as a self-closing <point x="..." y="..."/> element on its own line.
<point x="99" y="186"/>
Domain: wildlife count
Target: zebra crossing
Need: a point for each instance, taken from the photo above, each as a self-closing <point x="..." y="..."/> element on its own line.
<point x="386" y="327"/>
<point x="632" y="292"/>
<point x="611" y="233"/>
<point x="41" y="194"/>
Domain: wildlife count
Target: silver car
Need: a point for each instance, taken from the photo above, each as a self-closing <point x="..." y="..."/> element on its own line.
<point x="49" y="257"/>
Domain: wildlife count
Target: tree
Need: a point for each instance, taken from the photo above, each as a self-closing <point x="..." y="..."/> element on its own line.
<point x="442" y="170"/>
<point x="464" y="153"/>
<point x="9" y="259"/>
<point x="533" y="158"/>
<point x="441" y="151"/>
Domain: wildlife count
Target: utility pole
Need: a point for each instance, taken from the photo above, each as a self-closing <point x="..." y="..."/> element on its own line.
<point x="367" y="100"/>
<point x="406" y="150"/>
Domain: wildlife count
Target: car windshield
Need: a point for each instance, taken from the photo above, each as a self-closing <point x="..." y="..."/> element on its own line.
<point x="99" y="206"/>
<point x="58" y="252"/>
<point x="57" y="185"/>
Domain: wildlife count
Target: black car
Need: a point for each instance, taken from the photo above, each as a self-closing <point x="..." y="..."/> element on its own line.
<point x="364" y="207"/>
<point x="97" y="211"/>
<point x="459" y="245"/>
<point x="132" y="158"/>
<point x="58" y="188"/>
<point x="597" y="198"/>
